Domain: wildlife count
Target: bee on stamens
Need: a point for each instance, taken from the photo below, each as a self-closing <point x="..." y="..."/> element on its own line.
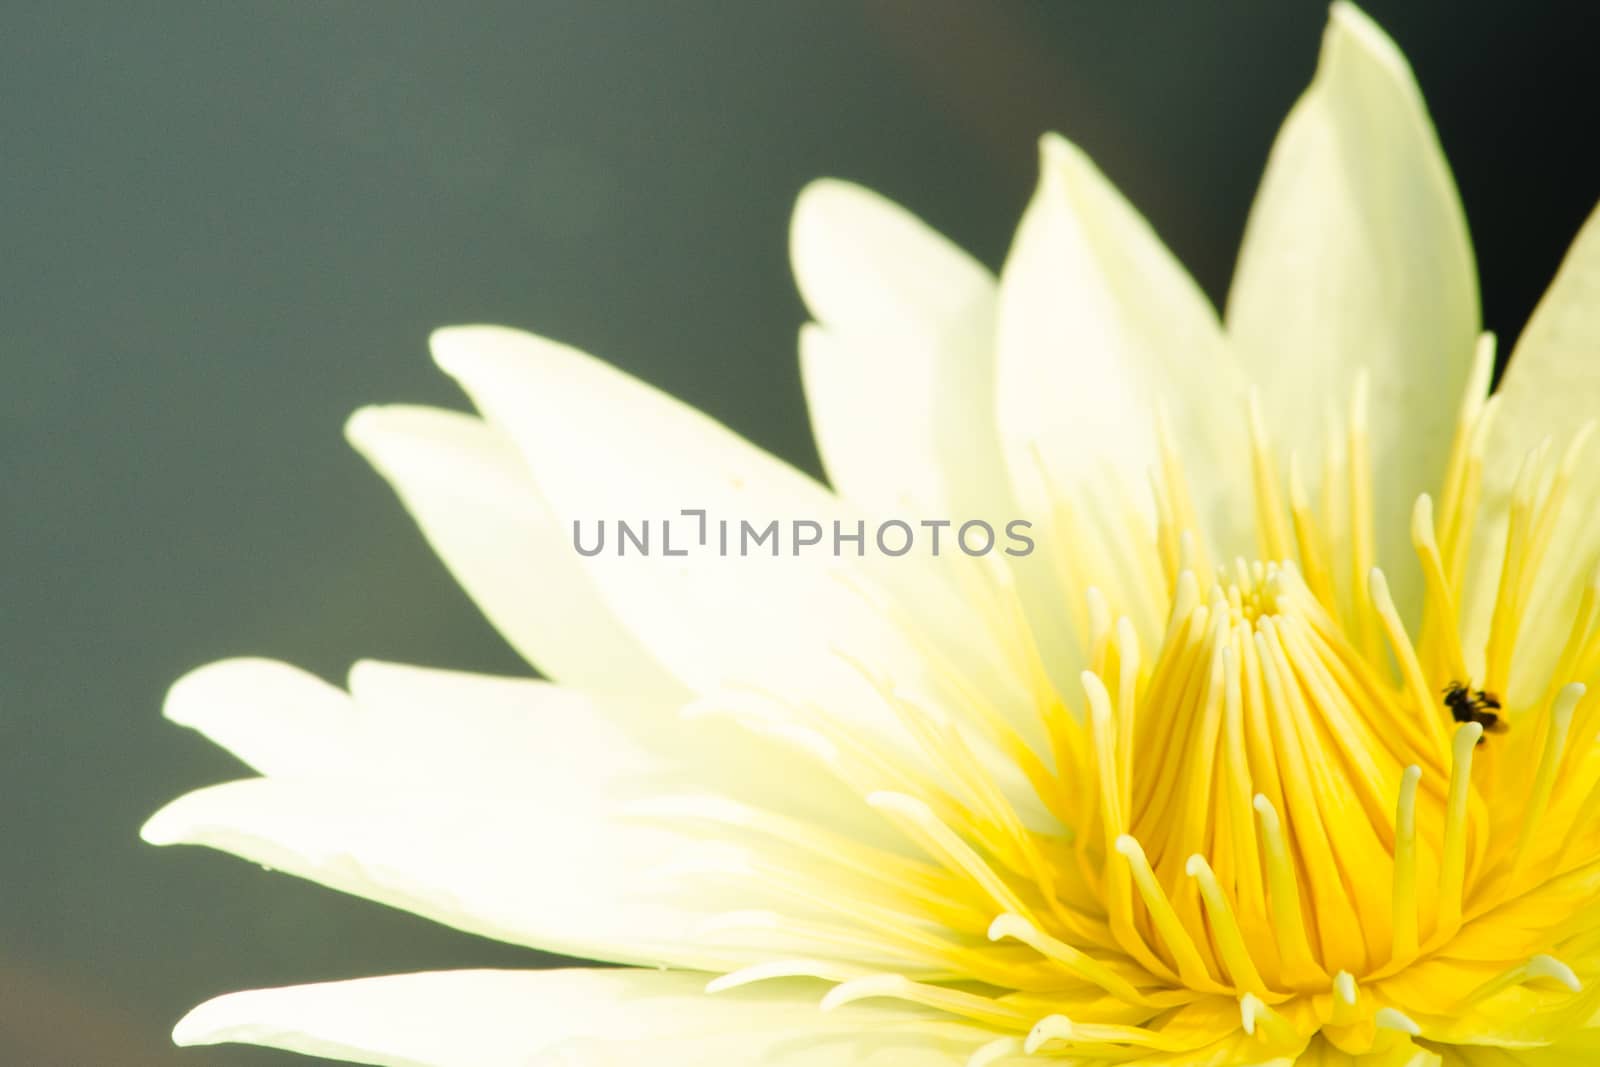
<point x="1474" y="705"/>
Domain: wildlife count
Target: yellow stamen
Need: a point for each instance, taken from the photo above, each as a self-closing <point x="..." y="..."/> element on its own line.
<point x="1191" y="966"/>
<point x="1284" y="897"/>
<point x="1405" y="867"/>
<point x="1544" y="779"/>
<point x="1059" y="952"/>
<point x="1362" y="552"/>
<point x="1256" y="1017"/>
<point x="1440" y="601"/>
<point x="1225" y="928"/>
<point x="1270" y="531"/>
<point x="1452" y="868"/>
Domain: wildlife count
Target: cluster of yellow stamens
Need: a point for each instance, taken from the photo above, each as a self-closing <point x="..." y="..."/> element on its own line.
<point x="1261" y="824"/>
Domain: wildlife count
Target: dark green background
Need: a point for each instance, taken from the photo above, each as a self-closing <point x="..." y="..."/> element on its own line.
<point x="224" y="226"/>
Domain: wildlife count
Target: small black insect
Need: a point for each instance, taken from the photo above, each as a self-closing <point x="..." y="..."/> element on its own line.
<point x="1474" y="705"/>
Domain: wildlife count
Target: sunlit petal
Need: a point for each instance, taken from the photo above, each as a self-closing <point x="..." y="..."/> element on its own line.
<point x="594" y="1018"/>
<point x="1357" y="257"/>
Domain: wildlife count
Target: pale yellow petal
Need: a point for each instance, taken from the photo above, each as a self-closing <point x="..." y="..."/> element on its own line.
<point x="565" y="1018"/>
<point x="1552" y="384"/>
<point x="472" y="496"/>
<point x="1357" y="256"/>
<point x="605" y="446"/>
<point x="402" y="721"/>
<point x="899" y="366"/>
<point x="275" y="717"/>
<point x="1099" y="326"/>
<point x="1551" y="388"/>
<point x="537" y="864"/>
<point x="501" y="806"/>
<point x="1099" y="329"/>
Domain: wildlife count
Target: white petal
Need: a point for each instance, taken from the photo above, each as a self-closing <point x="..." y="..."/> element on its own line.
<point x="575" y="1018"/>
<point x="1357" y="255"/>
<point x="604" y="446"/>
<point x="865" y="264"/>
<point x="1552" y="384"/>
<point x="899" y="373"/>
<point x="475" y="501"/>
<point x="490" y="804"/>
<point x="275" y="717"/>
<point x="1550" y="390"/>
<point x="879" y="452"/>
<point x="536" y="866"/>
<point x="477" y="802"/>
<point x="453" y="725"/>
<point x="402" y="722"/>
<point x="1098" y="324"/>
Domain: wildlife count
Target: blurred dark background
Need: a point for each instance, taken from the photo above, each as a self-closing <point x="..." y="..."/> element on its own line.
<point x="224" y="226"/>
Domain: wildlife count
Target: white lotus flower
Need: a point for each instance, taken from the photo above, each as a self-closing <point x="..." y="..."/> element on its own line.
<point x="1121" y="801"/>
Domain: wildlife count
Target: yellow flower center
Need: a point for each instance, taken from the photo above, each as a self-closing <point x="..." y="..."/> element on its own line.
<point x="1273" y="813"/>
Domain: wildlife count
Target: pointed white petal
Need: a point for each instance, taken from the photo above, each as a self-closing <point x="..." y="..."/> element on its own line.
<point x="402" y="721"/>
<point x="604" y="446"/>
<point x="476" y="503"/>
<point x="538" y="865"/>
<point x="477" y="802"/>
<point x="865" y="264"/>
<point x="1099" y="325"/>
<point x="567" y="1018"/>
<point x="1552" y="384"/>
<point x="899" y="370"/>
<point x="899" y="373"/>
<point x="502" y="806"/>
<point x="1357" y="256"/>
<point x="275" y="717"/>
<point x="1550" y="390"/>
